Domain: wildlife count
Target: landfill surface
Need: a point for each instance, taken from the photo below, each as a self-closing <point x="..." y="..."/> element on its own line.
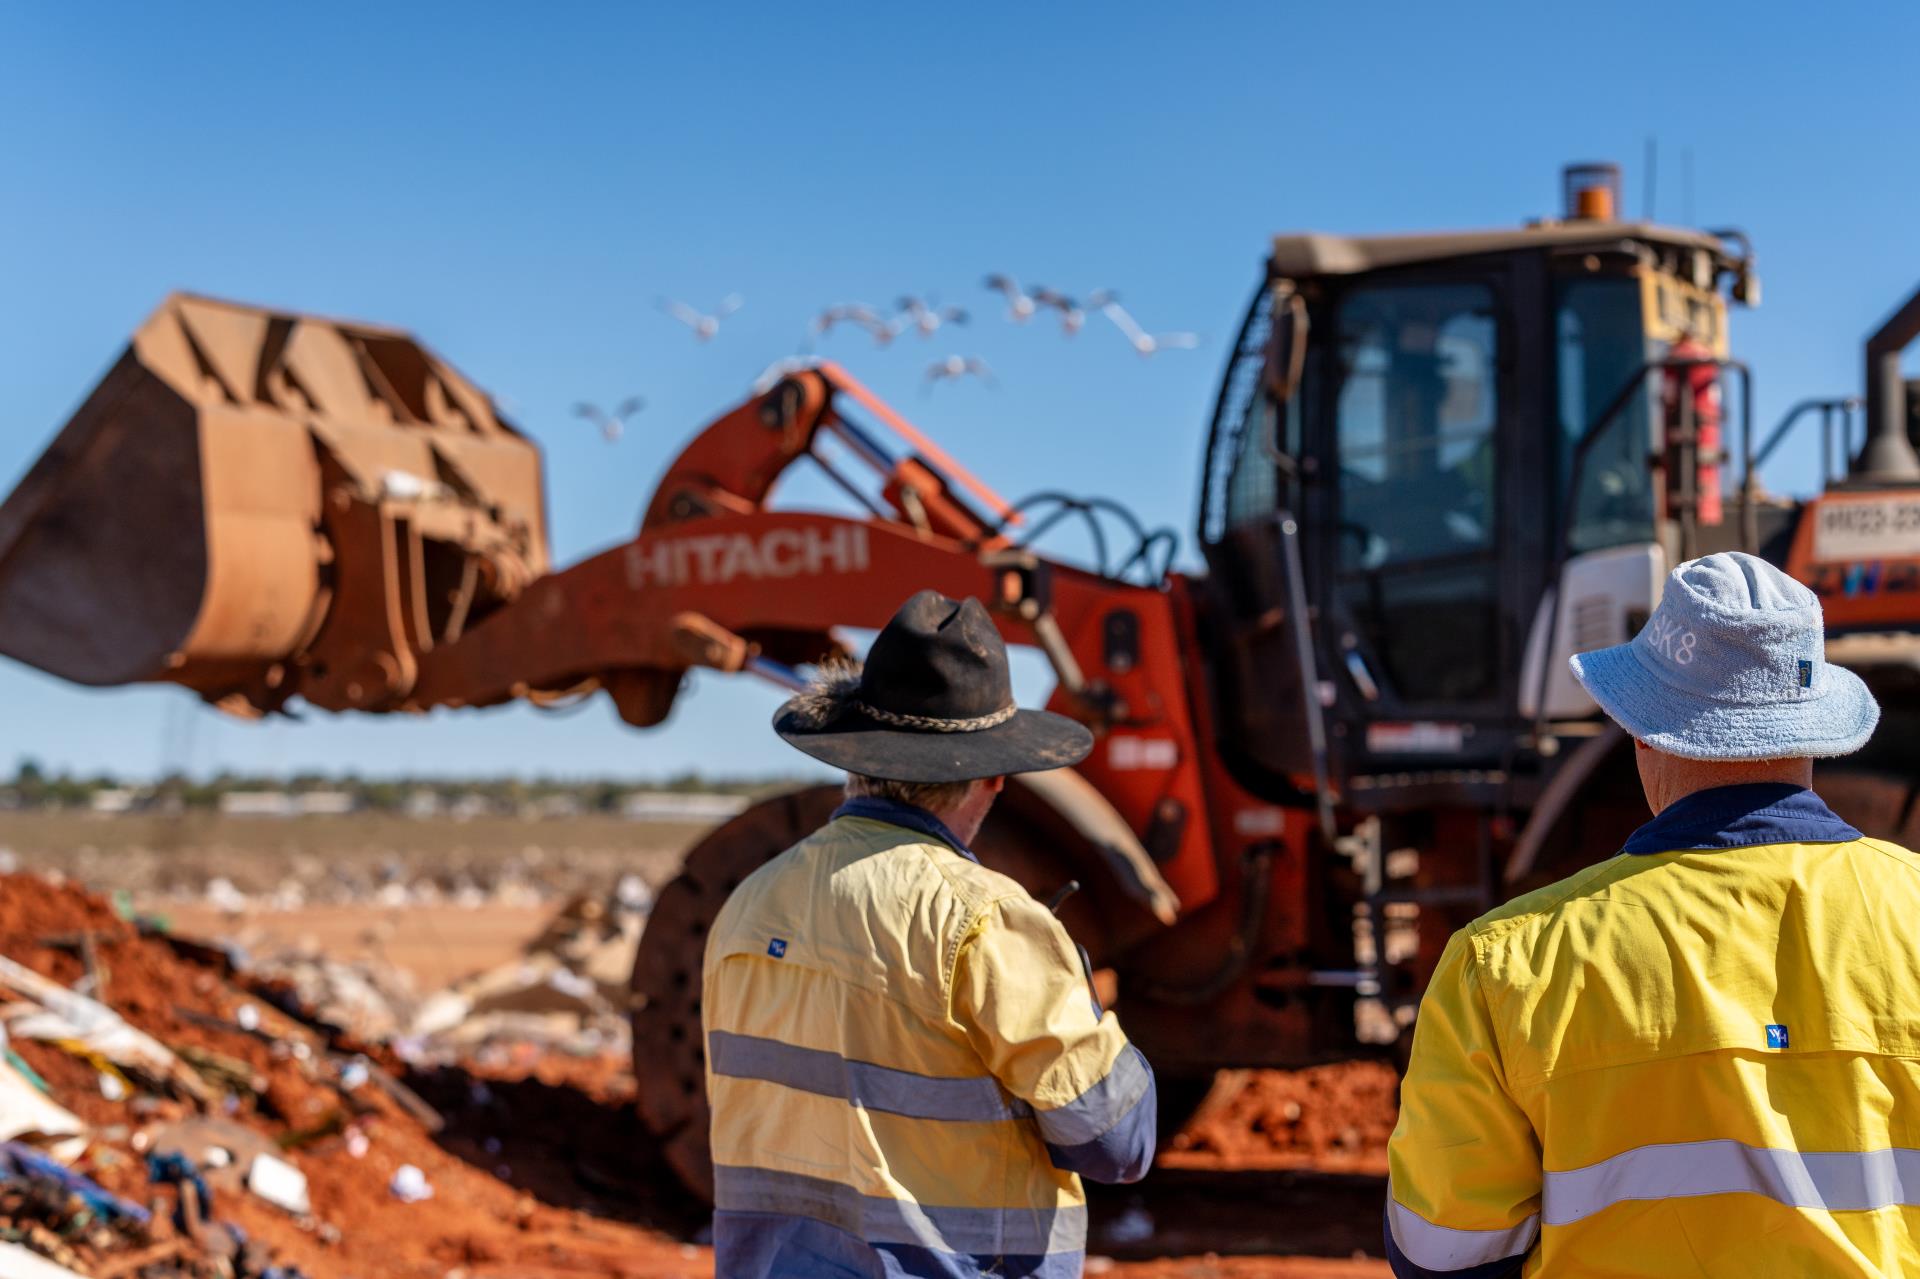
<point x="292" y="1112"/>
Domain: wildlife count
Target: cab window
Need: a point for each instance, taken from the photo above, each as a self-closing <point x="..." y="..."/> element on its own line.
<point x="1417" y="411"/>
<point x="1416" y="416"/>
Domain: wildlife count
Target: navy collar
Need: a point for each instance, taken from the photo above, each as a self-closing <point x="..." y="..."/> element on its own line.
<point x="1739" y="816"/>
<point x="894" y="813"/>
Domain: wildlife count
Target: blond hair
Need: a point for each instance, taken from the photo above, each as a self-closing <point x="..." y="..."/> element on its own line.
<point x="935" y="797"/>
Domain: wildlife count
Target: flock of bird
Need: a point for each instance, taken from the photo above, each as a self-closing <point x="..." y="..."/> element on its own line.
<point x="911" y="314"/>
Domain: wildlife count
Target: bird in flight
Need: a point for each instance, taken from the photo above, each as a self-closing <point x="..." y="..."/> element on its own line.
<point x="925" y="316"/>
<point x="955" y="367"/>
<point x="858" y="314"/>
<point x="703" y="326"/>
<point x="1142" y="341"/>
<point x="613" y="424"/>
<point x="1073" y="312"/>
<point x="1020" y="307"/>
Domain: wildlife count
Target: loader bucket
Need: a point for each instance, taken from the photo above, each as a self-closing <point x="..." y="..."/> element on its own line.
<point x="259" y="504"/>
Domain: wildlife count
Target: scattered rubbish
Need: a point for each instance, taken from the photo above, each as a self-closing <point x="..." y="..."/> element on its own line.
<point x="567" y="991"/>
<point x="23" y="1162"/>
<point x="66" y="1017"/>
<point x="173" y="1168"/>
<point x="223" y="1194"/>
<point x="223" y="896"/>
<point x="228" y="1074"/>
<point x="219" y="1149"/>
<point x="410" y="1185"/>
<point x="280" y="1183"/>
<point x="27" y="1111"/>
<point x="16" y="1262"/>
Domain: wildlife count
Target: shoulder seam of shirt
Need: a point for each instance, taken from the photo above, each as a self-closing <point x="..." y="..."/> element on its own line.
<point x="1471" y="963"/>
<point x="976" y="924"/>
<point x="975" y="912"/>
<point x="1572" y="887"/>
<point x="1896" y="852"/>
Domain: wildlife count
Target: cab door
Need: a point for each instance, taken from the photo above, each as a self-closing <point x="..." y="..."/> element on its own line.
<point x="1416" y="542"/>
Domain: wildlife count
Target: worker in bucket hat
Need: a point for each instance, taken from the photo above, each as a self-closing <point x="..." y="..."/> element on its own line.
<point x="907" y="1068"/>
<point x="1701" y="1056"/>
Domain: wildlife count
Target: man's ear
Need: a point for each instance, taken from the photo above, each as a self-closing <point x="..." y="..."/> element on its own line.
<point x="1640" y="745"/>
<point x="996" y="784"/>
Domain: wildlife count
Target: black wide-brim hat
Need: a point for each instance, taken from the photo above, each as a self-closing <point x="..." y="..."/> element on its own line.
<point x="934" y="703"/>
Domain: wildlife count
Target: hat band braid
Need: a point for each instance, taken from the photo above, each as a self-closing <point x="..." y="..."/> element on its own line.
<point x="936" y="724"/>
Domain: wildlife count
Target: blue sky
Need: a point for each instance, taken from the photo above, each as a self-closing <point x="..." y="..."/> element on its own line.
<point x="517" y="188"/>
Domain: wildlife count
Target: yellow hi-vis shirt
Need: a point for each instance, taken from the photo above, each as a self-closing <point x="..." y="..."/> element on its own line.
<point x="906" y="1065"/>
<point x="1699" y="1057"/>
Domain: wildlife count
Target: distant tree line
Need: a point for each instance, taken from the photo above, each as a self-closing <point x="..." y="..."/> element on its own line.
<point x="34" y="786"/>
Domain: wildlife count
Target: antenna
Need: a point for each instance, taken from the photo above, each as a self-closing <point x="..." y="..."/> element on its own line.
<point x="1653" y="172"/>
<point x="1686" y="185"/>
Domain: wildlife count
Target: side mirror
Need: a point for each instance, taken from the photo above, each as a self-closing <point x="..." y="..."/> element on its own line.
<point x="1286" y="359"/>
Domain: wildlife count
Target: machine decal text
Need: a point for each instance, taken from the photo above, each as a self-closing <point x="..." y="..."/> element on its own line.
<point x="719" y="558"/>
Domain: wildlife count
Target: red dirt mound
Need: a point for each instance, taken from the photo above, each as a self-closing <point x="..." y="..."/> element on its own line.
<point x="1331" y="1118"/>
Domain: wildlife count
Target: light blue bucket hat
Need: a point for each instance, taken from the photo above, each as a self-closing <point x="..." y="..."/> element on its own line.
<point x="1732" y="665"/>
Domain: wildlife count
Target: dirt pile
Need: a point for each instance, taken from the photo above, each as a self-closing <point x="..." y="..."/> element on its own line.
<point x="515" y="1157"/>
<point x="1333" y="1118"/>
<point x="533" y="1160"/>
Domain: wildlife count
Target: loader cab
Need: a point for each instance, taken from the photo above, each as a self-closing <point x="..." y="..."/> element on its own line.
<point x="1417" y="436"/>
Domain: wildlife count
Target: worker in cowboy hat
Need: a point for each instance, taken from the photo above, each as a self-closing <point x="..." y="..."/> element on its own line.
<point x="1701" y="1056"/>
<point x="907" y="1067"/>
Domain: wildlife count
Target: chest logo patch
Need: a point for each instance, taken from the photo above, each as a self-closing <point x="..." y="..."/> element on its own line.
<point x="1776" y="1036"/>
<point x="778" y="949"/>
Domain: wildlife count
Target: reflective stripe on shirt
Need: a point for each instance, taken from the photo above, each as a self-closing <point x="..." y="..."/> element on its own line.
<point x="988" y="1231"/>
<point x="978" y="1099"/>
<point x="1094" y="1112"/>
<point x="1836" y="1181"/>
<point x="1443" y="1248"/>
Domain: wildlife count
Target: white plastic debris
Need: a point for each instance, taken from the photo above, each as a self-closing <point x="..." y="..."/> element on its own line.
<point x="17" y="1262"/>
<point x="62" y="1014"/>
<point x="25" y="1111"/>
<point x="410" y="1185"/>
<point x="224" y="897"/>
<point x="632" y="894"/>
<point x="279" y="1183"/>
<point x="247" y="1017"/>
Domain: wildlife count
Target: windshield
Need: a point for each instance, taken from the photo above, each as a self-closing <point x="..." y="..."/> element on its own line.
<point x="1416" y="417"/>
<point x="1601" y="344"/>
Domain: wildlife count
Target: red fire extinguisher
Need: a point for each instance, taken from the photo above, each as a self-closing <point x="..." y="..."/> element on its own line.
<point x="1702" y="382"/>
